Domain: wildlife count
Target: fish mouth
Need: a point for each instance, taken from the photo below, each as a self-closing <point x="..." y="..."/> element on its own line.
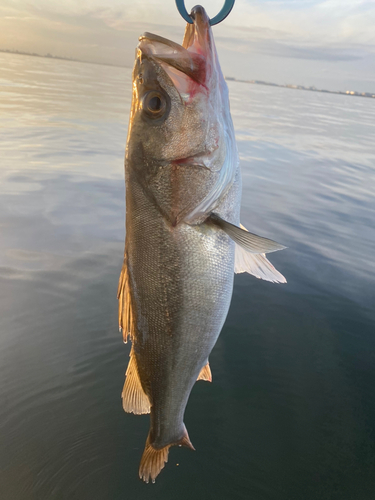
<point x="191" y="59"/>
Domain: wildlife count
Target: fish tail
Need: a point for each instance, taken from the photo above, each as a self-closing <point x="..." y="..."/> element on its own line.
<point x="154" y="459"/>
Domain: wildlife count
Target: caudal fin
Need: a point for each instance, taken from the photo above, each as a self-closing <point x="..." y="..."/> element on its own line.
<point x="154" y="459"/>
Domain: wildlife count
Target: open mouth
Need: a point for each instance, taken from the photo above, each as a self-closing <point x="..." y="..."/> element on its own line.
<point x="191" y="58"/>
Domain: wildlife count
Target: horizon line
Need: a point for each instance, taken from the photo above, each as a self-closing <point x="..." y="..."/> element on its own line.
<point x="312" y="88"/>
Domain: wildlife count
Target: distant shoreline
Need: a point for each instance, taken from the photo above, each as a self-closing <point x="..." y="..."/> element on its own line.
<point x="301" y="87"/>
<point x="50" y="56"/>
<point x="228" y="78"/>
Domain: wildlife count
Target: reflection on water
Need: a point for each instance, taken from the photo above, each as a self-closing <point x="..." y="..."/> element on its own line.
<point x="291" y="411"/>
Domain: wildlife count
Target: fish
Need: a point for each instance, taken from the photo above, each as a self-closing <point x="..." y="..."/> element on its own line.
<point x="184" y="240"/>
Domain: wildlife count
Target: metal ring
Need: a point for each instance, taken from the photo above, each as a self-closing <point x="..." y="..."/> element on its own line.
<point x="225" y="11"/>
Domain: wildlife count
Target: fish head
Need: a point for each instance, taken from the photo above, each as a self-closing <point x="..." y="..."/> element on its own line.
<point x="180" y="126"/>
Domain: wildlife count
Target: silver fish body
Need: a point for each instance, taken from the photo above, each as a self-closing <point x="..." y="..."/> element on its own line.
<point x="176" y="284"/>
<point x="182" y="279"/>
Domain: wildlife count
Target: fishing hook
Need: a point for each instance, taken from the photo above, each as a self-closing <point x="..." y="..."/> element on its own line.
<point x="228" y="6"/>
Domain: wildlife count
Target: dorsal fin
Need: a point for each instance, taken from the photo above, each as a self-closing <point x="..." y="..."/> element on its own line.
<point x="134" y="399"/>
<point x="125" y="309"/>
<point x="205" y="373"/>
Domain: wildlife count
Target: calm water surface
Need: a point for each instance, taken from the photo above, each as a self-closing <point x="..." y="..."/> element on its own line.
<point x="291" y="412"/>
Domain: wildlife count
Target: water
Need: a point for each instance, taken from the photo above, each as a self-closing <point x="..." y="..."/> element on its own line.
<point x="291" y="411"/>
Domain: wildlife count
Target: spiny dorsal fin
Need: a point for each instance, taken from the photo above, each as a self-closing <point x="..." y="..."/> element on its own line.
<point x="125" y="309"/>
<point x="153" y="459"/>
<point x="257" y="265"/>
<point x="250" y="242"/>
<point x="205" y="373"/>
<point x="134" y="399"/>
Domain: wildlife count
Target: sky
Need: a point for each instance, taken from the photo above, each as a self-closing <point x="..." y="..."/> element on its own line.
<point x="326" y="43"/>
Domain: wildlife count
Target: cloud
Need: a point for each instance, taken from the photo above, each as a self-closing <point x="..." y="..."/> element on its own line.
<point x="311" y="32"/>
<point x="283" y="49"/>
<point x="320" y="53"/>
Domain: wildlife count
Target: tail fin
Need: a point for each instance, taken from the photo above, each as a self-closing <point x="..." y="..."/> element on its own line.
<point x="153" y="459"/>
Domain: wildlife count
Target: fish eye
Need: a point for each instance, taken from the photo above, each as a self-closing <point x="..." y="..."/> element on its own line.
<point x="154" y="104"/>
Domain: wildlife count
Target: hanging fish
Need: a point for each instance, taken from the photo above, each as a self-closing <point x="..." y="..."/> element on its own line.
<point x="183" y="234"/>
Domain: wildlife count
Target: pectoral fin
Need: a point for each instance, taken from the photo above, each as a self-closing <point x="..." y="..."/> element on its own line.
<point x="250" y="251"/>
<point x="257" y="265"/>
<point x="248" y="241"/>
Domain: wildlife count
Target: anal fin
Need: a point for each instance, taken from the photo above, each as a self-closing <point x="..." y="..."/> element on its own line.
<point x="205" y="373"/>
<point x="134" y="399"/>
